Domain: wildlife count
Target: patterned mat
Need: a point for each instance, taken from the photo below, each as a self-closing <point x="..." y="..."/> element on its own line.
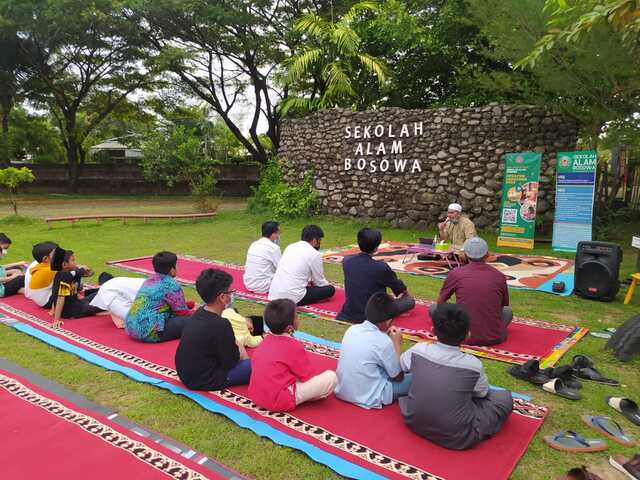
<point x="352" y="441"/>
<point x="530" y="272"/>
<point x="527" y="338"/>
<point x="46" y="436"/>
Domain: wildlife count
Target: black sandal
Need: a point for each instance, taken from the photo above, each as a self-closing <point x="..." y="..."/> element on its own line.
<point x="530" y="372"/>
<point x="584" y="369"/>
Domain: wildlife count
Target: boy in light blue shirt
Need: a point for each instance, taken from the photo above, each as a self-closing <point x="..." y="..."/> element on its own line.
<point x="369" y="372"/>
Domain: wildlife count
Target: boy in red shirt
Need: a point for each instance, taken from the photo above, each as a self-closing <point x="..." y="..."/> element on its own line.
<point x="282" y="375"/>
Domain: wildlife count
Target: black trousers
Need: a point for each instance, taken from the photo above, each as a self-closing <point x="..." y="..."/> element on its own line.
<point x="315" y="294"/>
<point x="79" y="307"/>
<point x="13" y="286"/>
<point x="173" y="327"/>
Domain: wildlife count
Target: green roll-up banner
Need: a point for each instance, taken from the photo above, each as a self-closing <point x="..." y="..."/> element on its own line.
<point x="519" y="199"/>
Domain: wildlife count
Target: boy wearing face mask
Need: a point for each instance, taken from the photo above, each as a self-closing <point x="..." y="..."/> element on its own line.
<point x="283" y="375"/>
<point x="159" y="311"/>
<point x="262" y="259"/>
<point x="11" y="275"/>
<point x="209" y="357"/>
<point x="300" y="274"/>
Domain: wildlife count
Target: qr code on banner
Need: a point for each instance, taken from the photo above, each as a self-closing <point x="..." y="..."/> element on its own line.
<point x="509" y="215"/>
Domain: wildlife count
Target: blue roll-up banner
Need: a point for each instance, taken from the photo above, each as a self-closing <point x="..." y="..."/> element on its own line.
<point x="575" y="188"/>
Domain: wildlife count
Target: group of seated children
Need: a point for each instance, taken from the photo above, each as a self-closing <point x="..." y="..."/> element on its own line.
<point x="54" y="281"/>
<point x="210" y="356"/>
<point x="443" y="393"/>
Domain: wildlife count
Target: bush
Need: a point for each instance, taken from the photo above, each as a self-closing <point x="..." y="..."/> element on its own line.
<point x="11" y="178"/>
<point x="175" y="155"/>
<point x="273" y="195"/>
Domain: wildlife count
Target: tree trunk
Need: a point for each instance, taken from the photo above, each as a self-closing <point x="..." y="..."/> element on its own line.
<point x="5" y="150"/>
<point x="72" y="165"/>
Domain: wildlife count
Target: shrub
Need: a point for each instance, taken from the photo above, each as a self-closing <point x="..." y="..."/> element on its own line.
<point x="11" y="178"/>
<point x="275" y="196"/>
<point x="176" y="155"/>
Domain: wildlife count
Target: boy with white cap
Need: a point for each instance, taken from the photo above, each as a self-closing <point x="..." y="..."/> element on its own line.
<point x="482" y="291"/>
<point x="456" y="229"/>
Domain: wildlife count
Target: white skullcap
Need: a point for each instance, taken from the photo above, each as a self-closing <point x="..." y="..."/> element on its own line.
<point x="455" y="206"/>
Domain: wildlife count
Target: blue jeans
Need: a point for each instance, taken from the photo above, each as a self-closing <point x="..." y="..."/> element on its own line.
<point x="401" y="389"/>
<point x="240" y="374"/>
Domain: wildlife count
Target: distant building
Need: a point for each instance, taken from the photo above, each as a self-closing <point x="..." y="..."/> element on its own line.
<point x="114" y="151"/>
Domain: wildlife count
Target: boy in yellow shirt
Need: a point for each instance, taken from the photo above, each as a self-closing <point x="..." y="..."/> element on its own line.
<point x="248" y="331"/>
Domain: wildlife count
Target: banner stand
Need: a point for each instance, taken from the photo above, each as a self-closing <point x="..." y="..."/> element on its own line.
<point x="519" y="199"/>
<point x="575" y="190"/>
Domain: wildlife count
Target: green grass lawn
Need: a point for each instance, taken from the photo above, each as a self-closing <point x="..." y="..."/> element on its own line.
<point x="226" y="238"/>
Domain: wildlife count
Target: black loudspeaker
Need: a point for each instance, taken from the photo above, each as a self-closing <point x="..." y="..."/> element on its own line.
<point x="597" y="269"/>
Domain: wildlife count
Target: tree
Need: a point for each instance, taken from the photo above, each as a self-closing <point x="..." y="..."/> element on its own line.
<point x="15" y="74"/>
<point x="87" y="57"/>
<point x="332" y="56"/>
<point x="227" y="53"/>
<point x="572" y="21"/>
<point x="34" y="138"/>
<point x="592" y="82"/>
<point x="11" y="178"/>
<point x="432" y="48"/>
<point x="174" y="155"/>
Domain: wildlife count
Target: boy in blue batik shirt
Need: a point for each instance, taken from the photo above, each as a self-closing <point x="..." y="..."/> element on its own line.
<point x="159" y="311"/>
<point x="369" y="372"/>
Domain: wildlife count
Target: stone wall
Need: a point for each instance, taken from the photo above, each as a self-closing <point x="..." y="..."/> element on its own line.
<point x="358" y="159"/>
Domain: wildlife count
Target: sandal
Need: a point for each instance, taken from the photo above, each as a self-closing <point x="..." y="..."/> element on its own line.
<point x="626" y="407"/>
<point x="609" y="428"/>
<point x="565" y="373"/>
<point x="630" y="468"/>
<point x="570" y="441"/>
<point x="583" y="368"/>
<point x="530" y="372"/>
<point x="557" y="387"/>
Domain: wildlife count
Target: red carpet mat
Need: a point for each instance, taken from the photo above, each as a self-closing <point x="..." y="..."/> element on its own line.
<point x="359" y="436"/>
<point x="528" y="339"/>
<point x="529" y="272"/>
<point x="45" y="436"/>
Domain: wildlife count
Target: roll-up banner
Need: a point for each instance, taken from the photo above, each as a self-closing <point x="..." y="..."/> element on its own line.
<point x="575" y="188"/>
<point x="519" y="199"/>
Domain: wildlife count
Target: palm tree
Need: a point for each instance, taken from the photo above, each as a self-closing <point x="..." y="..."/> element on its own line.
<point x="333" y="56"/>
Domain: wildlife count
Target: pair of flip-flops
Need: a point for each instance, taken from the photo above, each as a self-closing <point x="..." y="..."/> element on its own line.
<point x="571" y="441"/>
<point x="559" y="381"/>
<point x="627" y="407"/>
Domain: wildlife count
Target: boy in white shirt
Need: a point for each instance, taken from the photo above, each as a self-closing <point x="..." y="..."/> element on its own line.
<point x="300" y="274"/>
<point x="262" y="259"/>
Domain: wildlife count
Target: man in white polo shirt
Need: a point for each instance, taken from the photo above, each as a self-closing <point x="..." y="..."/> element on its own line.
<point x="300" y="275"/>
<point x="262" y="259"/>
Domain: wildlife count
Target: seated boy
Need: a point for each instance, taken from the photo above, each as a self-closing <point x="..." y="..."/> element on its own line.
<point x="369" y="372"/>
<point x="12" y="274"/>
<point x="67" y="284"/>
<point x="208" y="357"/>
<point x="449" y="402"/>
<point x="160" y="311"/>
<point x="116" y="295"/>
<point x="38" y="279"/>
<point x="248" y="331"/>
<point x="283" y="375"/>
<point x="364" y="276"/>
